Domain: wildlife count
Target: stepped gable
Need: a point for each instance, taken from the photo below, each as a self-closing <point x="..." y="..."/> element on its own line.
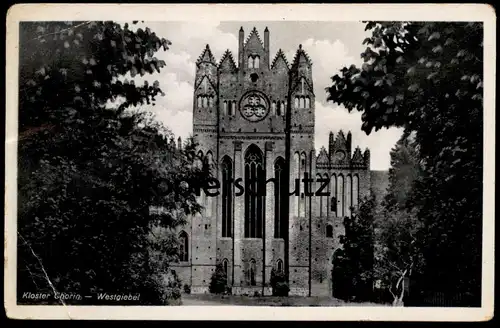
<point x="358" y="157"/>
<point x="280" y="56"/>
<point x="322" y="157"/>
<point x="227" y="61"/>
<point x="340" y="141"/>
<point x="206" y="57"/>
<point x="254" y="39"/>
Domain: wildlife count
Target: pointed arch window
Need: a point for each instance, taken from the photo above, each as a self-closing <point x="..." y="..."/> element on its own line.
<point x="329" y="231"/>
<point x="227" y="196"/>
<point x="253" y="272"/>
<point x="233" y="110"/>
<point x="250" y="62"/>
<point x="279" y="265"/>
<point x="225" y="108"/>
<point x="279" y="109"/>
<point x="256" y="62"/>
<point x="183" y="247"/>
<point x="253" y="61"/>
<point x="225" y="267"/>
<point x="200" y="101"/>
<point x="254" y="198"/>
<point x="279" y="197"/>
<point x="303" y="85"/>
<point x="273" y="107"/>
<point x="308" y="102"/>
<point x="302" y="102"/>
<point x="296" y="102"/>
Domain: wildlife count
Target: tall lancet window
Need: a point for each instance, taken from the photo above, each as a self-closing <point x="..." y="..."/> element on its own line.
<point x="303" y="85"/>
<point x="250" y="62"/>
<point x="348" y="199"/>
<point x="303" y="169"/>
<point x="273" y="107"/>
<point x="340" y="196"/>
<point x="209" y="200"/>
<point x="279" y="197"/>
<point x="225" y="108"/>
<point x="254" y="198"/>
<point x="183" y="247"/>
<point x="355" y="191"/>
<point x="279" y="109"/>
<point x="227" y="196"/>
<point x="224" y="267"/>
<point x="253" y="272"/>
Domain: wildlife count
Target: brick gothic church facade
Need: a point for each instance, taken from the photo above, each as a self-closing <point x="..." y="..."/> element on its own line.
<point x="252" y="116"/>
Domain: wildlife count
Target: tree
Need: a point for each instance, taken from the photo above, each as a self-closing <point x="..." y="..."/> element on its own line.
<point x="427" y="78"/>
<point x="352" y="271"/>
<point x="218" y="281"/>
<point x="397" y="255"/>
<point x="89" y="173"/>
<point x="405" y="169"/>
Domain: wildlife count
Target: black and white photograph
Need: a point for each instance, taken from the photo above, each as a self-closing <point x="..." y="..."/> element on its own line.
<point x="287" y="160"/>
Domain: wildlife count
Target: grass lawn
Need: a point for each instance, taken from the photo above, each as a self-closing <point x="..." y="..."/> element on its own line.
<point x="212" y="300"/>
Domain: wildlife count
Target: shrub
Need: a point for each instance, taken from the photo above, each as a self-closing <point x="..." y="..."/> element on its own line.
<point x="187" y="289"/>
<point x="218" y="282"/>
<point x="279" y="283"/>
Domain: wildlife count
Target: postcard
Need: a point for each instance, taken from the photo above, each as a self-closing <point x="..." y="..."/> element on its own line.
<point x="250" y="162"/>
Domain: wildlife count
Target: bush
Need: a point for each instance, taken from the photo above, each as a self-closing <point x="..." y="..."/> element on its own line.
<point x="279" y="283"/>
<point x="187" y="289"/>
<point x="218" y="282"/>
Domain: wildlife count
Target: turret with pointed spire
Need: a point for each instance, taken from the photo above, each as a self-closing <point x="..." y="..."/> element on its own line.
<point x="366" y="156"/>
<point x="331" y="144"/>
<point x="179" y="143"/>
<point x="266" y="46"/>
<point x="241" y="40"/>
<point x="349" y="144"/>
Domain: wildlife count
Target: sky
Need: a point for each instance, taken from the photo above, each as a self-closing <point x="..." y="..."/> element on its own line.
<point x="330" y="46"/>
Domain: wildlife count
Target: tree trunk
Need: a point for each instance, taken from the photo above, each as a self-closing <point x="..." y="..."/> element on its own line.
<point x="398" y="300"/>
